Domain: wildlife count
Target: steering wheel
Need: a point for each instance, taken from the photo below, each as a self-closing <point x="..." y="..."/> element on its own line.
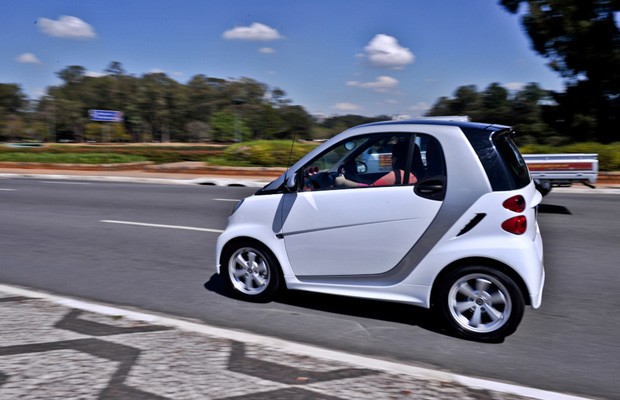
<point x="350" y="170"/>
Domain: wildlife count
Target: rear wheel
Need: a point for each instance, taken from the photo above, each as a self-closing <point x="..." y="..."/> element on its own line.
<point x="480" y="303"/>
<point x="251" y="271"/>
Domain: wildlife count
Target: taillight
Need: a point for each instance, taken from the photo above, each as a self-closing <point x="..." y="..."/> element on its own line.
<point x="515" y="203"/>
<point x="516" y="225"/>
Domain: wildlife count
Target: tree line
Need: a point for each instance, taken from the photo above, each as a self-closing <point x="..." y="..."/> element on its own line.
<point x="158" y="108"/>
<point x="155" y="108"/>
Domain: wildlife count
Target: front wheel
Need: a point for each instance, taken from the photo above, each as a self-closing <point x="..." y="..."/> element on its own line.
<point x="480" y="303"/>
<point x="251" y="271"/>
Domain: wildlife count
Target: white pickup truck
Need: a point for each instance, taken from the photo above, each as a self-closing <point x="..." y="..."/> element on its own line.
<point x="549" y="170"/>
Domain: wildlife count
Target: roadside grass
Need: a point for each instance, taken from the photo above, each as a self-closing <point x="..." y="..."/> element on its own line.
<point x="70" y="158"/>
<point x="260" y="153"/>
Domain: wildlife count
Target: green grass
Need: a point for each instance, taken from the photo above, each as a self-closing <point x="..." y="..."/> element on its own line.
<point x="70" y="158"/>
<point x="262" y="153"/>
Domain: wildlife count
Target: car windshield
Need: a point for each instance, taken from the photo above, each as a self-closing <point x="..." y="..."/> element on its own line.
<point x="333" y="157"/>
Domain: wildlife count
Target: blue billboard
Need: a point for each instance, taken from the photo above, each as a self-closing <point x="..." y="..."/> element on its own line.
<point x="106" y="115"/>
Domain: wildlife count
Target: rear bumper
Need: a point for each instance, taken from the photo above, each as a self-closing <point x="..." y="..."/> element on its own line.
<point x="536" y="287"/>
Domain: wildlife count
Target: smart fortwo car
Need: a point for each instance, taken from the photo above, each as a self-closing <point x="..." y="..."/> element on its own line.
<point x="436" y="214"/>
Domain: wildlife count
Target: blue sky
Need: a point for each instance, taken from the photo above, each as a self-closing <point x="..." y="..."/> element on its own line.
<point x="394" y="57"/>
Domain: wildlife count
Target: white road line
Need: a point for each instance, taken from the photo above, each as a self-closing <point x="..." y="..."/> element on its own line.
<point x="7" y="190"/>
<point x="67" y="183"/>
<point x="226" y="199"/>
<point x="189" y="228"/>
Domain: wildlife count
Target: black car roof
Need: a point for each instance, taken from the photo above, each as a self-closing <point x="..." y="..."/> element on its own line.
<point x="444" y="122"/>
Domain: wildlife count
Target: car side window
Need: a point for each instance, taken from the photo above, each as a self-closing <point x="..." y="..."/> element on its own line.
<point x="382" y="159"/>
<point x="387" y="162"/>
<point x="379" y="159"/>
<point x="433" y="161"/>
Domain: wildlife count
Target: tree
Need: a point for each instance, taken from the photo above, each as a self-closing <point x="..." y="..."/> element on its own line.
<point x="526" y="117"/>
<point x="115" y="68"/>
<point x="200" y="96"/>
<point x="11" y="128"/>
<point x="72" y="74"/>
<point x="524" y="110"/>
<point x="581" y="40"/>
<point x="162" y="105"/>
<point x="495" y="100"/>
<point x="225" y="125"/>
<point x="467" y="101"/>
<point x="298" y="122"/>
<point x="70" y="119"/>
<point x="12" y="99"/>
<point x="278" y="97"/>
<point x="197" y="131"/>
<point x="264" y="122"/>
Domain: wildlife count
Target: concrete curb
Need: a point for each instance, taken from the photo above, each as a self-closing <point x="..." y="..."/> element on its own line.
<point x="187" y="167"/>
<point x="230" y="182"/>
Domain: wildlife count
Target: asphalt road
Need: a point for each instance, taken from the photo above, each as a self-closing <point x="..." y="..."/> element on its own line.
<point x="73" y="238"/>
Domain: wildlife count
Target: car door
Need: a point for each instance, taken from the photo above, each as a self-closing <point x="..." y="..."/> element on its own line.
<point x="354" y="231"/>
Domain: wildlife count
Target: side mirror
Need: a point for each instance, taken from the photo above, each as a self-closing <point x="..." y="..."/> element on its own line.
<point x="291" y="183"/>
<point x="350" y="145"/>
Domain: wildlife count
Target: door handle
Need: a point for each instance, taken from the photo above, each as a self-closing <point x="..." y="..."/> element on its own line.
<point x="433" y="189"/>
<point x="428" y="189"/>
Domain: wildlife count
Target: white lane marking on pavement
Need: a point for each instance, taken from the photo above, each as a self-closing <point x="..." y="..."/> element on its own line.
<point x="296" y="348"/>
<point x="226" y="199"/>
<point x="7" y="190"/>
<point x="189" y="228"/>
<point x="67" y="183"/>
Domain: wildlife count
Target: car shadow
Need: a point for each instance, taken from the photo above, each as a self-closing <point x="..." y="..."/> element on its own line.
<point x="355" y="307"/>
<point x="553" y="209"/>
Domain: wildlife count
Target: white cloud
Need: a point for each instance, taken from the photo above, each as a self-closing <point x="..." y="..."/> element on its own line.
<point x="174" y="74"/>
<point x="67" y="27"/>
<point x="28" y="58"/>
<point x="94" y="74"/>
<point x="420" y="108"/>
<point x="381" y="84"/>
<point x="256" y="32"/>
<point x="514" y="85"/>
<point x="266" y="50"/>
<point x="385" y="51"/>
<point x="347" y="107"/>
<point x="40" y="92"/>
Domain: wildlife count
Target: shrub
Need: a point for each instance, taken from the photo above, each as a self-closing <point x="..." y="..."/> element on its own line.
<point x="268" y="153"/>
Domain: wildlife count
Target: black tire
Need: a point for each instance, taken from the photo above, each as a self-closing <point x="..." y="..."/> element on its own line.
<point x="480" y="303"/>
<point x="251" y="271"/>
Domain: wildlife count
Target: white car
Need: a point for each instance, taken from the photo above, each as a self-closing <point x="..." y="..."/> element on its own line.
<point x="455" y="231"/>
